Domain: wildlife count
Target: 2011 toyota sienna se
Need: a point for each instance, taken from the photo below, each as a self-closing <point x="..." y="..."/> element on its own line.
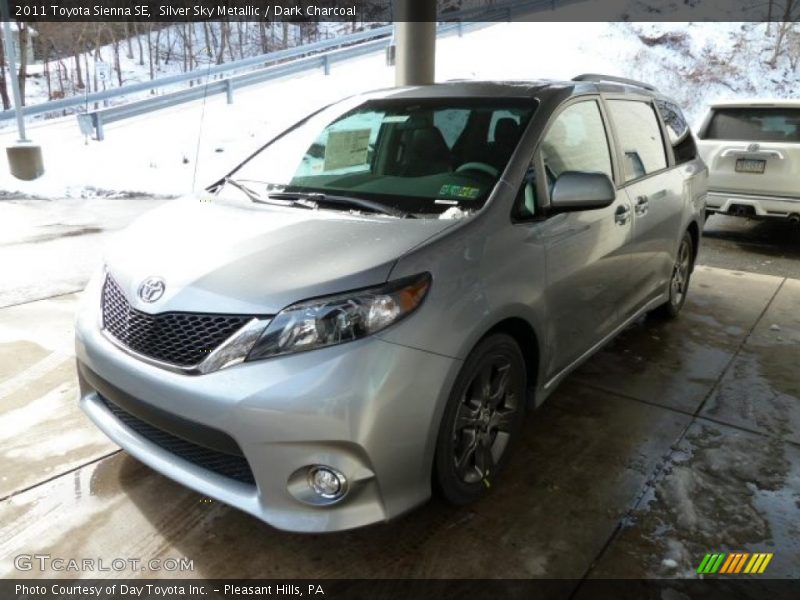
<point x="363" y="310"/>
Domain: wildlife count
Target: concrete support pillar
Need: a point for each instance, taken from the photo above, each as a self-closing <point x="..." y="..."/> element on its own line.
<point x="415" y="27"/>
<point x="24" y="159"/>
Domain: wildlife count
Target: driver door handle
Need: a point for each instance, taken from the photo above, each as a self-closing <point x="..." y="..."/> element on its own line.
<point x="642" y="205"/>
<point x="622" y="215"/>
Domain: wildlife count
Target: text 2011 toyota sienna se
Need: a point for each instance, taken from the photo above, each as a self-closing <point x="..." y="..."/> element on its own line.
<point x="363" y="310"/>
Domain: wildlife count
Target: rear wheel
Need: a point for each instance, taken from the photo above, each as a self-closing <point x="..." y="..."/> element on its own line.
<point x="481" y="421"/>
<point x="679" y="281"/>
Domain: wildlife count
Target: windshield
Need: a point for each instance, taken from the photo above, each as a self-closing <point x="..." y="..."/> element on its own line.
<point x="418" y="156"/>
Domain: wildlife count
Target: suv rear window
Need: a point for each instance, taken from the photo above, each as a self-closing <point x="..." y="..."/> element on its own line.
<point x="754" y="124"/>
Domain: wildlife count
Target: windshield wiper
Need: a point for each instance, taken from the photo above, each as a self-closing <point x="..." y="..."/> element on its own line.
<point x="313" y="199"/>
<point x="256" y="197"/>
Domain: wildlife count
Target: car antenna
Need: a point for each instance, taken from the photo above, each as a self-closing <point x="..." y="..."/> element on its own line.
<point x="200" y="128"/>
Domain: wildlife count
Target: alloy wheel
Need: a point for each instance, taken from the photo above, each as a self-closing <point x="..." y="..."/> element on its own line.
<point x="484" y="421"/>
<point x="680" y="273"/>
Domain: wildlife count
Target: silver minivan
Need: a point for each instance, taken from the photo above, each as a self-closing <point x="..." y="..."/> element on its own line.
<point x="363" y="310"/>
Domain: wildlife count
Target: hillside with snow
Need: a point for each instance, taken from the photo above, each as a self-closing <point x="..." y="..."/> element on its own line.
<point x="174" y="151"/>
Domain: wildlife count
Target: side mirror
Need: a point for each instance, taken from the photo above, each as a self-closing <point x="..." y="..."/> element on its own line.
<point x="575" y="190"/>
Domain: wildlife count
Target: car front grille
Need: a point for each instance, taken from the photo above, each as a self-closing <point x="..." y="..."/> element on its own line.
<point x="179" y="338"/>
<point x="221" y="463"/>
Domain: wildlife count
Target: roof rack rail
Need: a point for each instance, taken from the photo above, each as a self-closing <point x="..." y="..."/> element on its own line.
<point x="611" y="79"/>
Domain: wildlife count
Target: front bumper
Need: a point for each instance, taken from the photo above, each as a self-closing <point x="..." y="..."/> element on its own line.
<point x="369" y="408"/>
<point x="763" y="206"/>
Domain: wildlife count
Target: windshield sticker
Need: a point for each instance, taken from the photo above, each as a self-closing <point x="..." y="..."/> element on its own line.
<point x="460" y="191"/>
<point x="347" y="149"/>
<point x="396" y="118"/>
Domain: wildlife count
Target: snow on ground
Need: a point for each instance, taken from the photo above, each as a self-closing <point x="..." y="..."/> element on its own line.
<point x="174" y="151"/>
<point x="170" y="51"/>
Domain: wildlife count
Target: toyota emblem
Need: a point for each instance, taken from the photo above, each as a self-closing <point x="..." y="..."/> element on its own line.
<point x="151" y="289"/>
<point x="753" y="147"/>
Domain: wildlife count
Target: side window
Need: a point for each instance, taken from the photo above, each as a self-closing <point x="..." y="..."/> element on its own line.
<point x="639" y="136"/>
<point x="680" y="137"/>
<point x="577" y="141"/>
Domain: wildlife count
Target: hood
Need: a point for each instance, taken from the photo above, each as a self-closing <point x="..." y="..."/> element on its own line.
<point x="232" y="257"/>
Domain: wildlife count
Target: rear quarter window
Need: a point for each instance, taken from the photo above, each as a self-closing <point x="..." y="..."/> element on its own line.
<point x="759" y="124"/>
<point x="680" y="136"/>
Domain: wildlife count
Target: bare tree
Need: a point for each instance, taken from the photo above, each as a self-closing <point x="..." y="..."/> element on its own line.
<point x="3" y="85"/>
<point x="791" y="8"/>
<point x="22" y="73"/>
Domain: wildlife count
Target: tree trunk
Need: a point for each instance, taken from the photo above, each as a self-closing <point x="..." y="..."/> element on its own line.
<point x="262" y="31"/>
<point x="128" y="39"/>
<point x="223" y="36"/>
<point x="139" y="41"/>
<point x="78" y="70"/>
<point x="207" y="39"/>
<point x="22" y="75"/>
<point x="3" y="85"/>
<point x="158" y="48"/>
<point x="46" y="63"/>
<point x="117" y="67"/>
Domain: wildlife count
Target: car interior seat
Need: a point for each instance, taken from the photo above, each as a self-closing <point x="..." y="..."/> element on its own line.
<point x="424" y="152"/>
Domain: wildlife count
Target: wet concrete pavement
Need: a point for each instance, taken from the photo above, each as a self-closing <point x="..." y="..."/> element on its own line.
<point x="50" y="247"/>
<point x="678" y="439"/>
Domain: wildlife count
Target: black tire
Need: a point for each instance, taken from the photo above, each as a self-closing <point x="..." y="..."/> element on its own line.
<point x="481" y="421"/>
<point x="679" y="280"/>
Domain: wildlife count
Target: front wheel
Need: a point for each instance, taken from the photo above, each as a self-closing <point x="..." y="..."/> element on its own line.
<point x="481" y="421"/>
<point x="679" y="282"/>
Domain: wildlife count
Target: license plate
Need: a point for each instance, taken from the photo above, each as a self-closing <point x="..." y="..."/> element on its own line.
<point x="749" y="165"/>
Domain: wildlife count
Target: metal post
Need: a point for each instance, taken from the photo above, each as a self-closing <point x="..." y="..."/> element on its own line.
<point x="229" y="90"/>
<point x="416" y="42"/>
<point x="326" y="64"/>
<point x="12" y="70"/>
<point x="98" y="126"/>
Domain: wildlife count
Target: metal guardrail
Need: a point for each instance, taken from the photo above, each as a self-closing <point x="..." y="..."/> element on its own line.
<point x="201" y="73"/>
<point x="93" y="122"/>
<point x="320" y="54"/>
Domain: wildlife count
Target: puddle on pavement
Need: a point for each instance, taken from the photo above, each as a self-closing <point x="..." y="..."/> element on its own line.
<point x="725" y="490"/>
<point x="676" y="363"/>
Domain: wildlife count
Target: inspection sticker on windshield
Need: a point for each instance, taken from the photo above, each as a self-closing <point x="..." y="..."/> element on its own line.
<point x="346" y="148"/>
<point x="459" y="191"/>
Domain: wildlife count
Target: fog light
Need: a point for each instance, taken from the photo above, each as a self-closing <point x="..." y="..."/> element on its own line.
<point x="326" y="482"/>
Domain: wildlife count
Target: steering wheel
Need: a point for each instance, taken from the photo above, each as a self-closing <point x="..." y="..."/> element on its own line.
<point x="479" y="167"/>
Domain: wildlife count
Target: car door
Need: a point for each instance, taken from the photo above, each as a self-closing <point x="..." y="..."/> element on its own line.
<point x="587" y="267"/>
<point x="655" y="191"/>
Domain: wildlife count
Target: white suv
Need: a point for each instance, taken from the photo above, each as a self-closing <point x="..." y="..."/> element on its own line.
<point x="752" y="149"/>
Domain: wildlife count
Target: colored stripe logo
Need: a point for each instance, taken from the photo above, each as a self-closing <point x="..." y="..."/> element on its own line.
<point x="734" y="563"/>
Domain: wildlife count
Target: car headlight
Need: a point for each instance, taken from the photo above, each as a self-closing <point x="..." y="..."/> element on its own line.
<point x="341" y="318"/>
